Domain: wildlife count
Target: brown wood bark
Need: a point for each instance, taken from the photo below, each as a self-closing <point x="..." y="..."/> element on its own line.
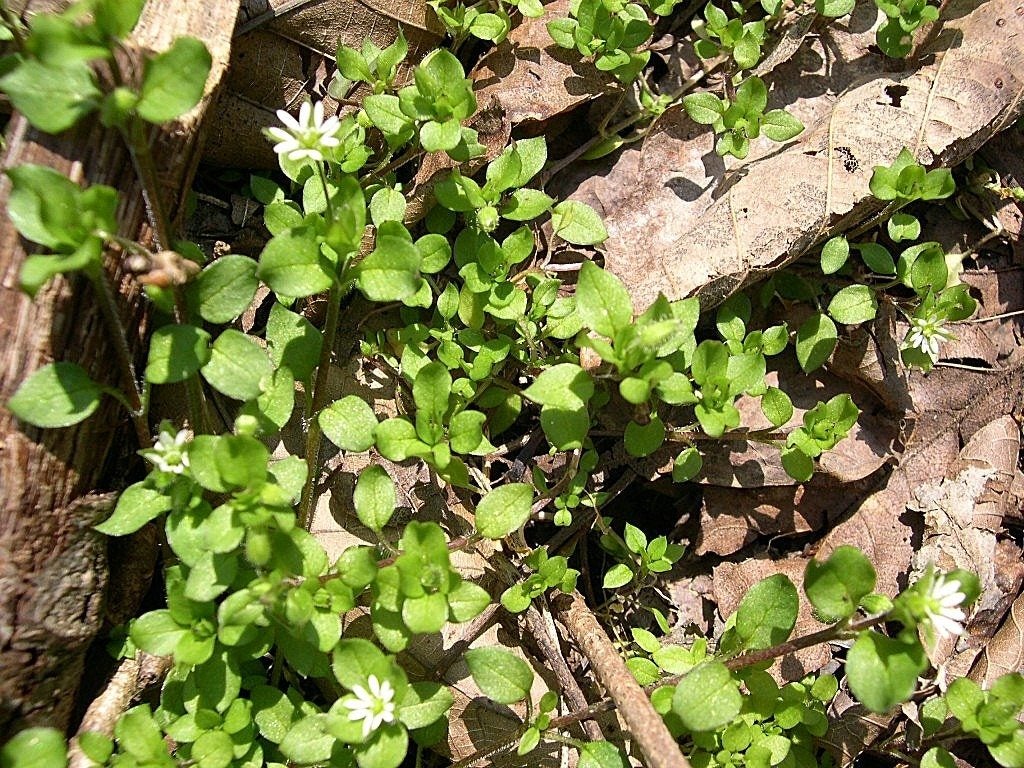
<point x="53" y="567"/>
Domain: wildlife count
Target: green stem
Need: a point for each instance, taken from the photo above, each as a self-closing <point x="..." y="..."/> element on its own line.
<point x="145" y="169"/>
<point x="119" y="338"/>
<point x="314" y="436"/>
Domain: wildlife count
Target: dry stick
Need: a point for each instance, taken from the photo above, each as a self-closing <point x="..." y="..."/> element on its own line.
<point x="548" y="647"/>
<point x="570" y="688"/>
<point x="130" y="679"/>
<point x="828" y="634"/>
<point x="644" y="724"/>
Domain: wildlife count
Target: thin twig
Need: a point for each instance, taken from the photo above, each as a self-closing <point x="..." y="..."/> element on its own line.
<point x="570" y="688"/>
<point x="645" y="725"/>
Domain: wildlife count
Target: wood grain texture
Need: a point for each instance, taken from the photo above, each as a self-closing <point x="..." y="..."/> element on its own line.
<point x="52" y="565"/>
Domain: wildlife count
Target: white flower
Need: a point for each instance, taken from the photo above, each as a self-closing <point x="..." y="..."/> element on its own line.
<point x="168" y="453"/>
<point x="306" y="137"/>
<point x="926" y="333"/>
<point x="374" y="706"/>
<point x="941" y="606"/>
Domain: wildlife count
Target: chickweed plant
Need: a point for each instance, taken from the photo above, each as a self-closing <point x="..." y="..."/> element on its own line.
<point x="484" y="340"/>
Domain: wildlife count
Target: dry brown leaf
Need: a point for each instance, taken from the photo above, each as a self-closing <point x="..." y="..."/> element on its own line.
<point x="720" y="236"/>
<point x="731" y="582"/>
<point x="731" y="518"/>
<point x="526" y="78"/>
<point x="742" y="464"/>
<point x="290" y="58"/>
<point x="852" y="728"/>
<point x="532" y="78"/>
<point x="1004" y="653"/>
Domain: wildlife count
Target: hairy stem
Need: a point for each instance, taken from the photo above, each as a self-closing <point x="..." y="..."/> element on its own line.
<point x="314" y="436"/>
<point x="119" y="339"/>
<point x="145" y="169"/>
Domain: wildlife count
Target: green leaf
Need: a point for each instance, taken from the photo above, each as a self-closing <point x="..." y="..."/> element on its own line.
<point x="797" y="464"/>
<point x="385" y="113"/>
<point x="779" y="125"/>
<point x="349" y="423"/>
<point x="466" y="433"/>
<point x="45" y="207"/>
<point x="57" y="395"/>
<point x="213" y="749"/>
<point x="529" y="741"/>
<point x="937" y="757"/>
<point x="687" y="465"/>
<point x="425" y="614"/>
<point x="385" y="749"/>
<point x="308" y="742"/>
<point x="767" y="613"/>
<point x="431" y="391"/>
<point x="603" y="301"/>
<point x="938" y="184"/>
<point x="752" y="96"/>
<point x="173" y="82"/>
<point x="882" y="672"/>
<point x="37" y="270"/>
<point x="226" y="288"/>
<point x="459" y="193"/>
<point x="51" y="97"/>
<point x="238" y="366"/>
<point x="815" y="340"/>
<point x="387" y="204"/>
<point x="97" y="746"/>
<point x="834" y="254"/>
<point x="489" y="26"/>
<point x="776" y="406"/>
<point x="747" y="52"/>
<point x="467" y="601"/>
<point x="374" y="497"/>
<point x="136" y="506"/>
<point x="644" y="439"/>
<point x="35" y="748"/>
<point x="833" y="9"/>
<point x="396" y="440"/>
<point x="903" y="226"/>
<point x="564" y="386"/>
<point x="877" y="258"/>
<point x="501" y="676"/>
<point x="602" y="754"/>
<point x="293" y="342"/>
<point x="835" y="587"/>
<point x="707" y="698"/>
<point x="424" y="704"/>
<point x="617" y="576"/>
<point x="1008" y="751"/>
<point x="578" y="223"/>
<point x="292" y="265"/>
<point x="440" y="136"/>
<point x="391" y="271"/>
<point x="526" y="204"/>
<point x="176" y="352"/>
<point x="352" y="65"/>
<point x="854" y="304"/>
<point x="157" y="632"/>
<point x="504" y="510"/>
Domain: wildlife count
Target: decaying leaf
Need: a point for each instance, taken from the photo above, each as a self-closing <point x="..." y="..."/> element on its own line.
<point x="714" y="234"/>
<point x="286" y="56"/>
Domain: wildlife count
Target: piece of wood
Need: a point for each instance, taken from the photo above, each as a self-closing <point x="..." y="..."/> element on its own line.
<point x="52" y="564"/>
<point x="645" y="725"/>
